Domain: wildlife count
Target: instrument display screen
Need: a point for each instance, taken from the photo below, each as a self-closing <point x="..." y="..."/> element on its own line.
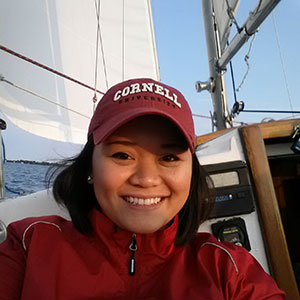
<point x="225" y="179"/>
<point x="234" y="194"/>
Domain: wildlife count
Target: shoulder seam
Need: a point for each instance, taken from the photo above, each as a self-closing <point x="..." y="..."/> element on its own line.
<point x="226" y="251"/>
<point x="32" y="224"/>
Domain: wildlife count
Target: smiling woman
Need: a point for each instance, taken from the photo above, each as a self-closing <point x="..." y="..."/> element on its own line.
<point x="136" y="195"/>
<point x="148" y="168"/>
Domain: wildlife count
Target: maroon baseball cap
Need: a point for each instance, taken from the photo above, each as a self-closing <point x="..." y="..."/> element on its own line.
<point x="138" y="97"/>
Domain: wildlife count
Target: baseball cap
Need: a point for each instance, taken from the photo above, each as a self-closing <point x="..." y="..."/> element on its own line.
<point x="133" y="98"/>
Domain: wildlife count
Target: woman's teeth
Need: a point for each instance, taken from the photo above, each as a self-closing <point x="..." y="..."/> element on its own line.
<point x="141" y="201"/>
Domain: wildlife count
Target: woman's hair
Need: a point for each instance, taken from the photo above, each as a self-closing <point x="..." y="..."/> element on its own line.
<point x="198" y="206"/>
<point x="71" y="189"/>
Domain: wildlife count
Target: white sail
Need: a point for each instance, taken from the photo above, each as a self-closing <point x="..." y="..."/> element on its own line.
<point x="224" y="12"/>
<point x="62" y="35"/>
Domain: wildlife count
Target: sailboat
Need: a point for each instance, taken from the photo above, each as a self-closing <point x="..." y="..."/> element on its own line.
<point x="254" y="168"/>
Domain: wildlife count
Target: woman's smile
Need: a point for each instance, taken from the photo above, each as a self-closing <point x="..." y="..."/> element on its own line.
<point x="150" y="201"/>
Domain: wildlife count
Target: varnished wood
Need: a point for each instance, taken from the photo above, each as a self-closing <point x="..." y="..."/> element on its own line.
<point x="207" y="137"/>
<point x="270" y="215"/>
<point x="269" y="130"/>
<point x="278" y="129"/>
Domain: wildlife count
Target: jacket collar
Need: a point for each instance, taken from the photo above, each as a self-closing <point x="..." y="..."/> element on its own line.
<point x="160" y="242"/>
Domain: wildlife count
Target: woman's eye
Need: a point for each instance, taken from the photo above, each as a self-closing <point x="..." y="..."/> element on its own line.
<point x="170" y="157"/>
<point x="121" y="155"/>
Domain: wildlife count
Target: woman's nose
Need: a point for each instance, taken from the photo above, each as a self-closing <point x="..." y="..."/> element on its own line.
<point x="146" y="174"/>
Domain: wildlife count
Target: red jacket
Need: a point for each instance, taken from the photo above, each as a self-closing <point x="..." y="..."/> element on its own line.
<point x="47" y="258"/>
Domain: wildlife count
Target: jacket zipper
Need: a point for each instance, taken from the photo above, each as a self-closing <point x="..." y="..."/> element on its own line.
<point x="133" y="247"/>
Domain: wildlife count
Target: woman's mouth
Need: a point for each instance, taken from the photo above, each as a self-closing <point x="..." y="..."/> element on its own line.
<point x="142" y="201"/>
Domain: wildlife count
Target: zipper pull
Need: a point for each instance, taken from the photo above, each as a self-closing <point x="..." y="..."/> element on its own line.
<point x="133" y="247"/>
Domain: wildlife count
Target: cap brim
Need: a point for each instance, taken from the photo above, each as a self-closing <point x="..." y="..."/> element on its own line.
<point x="106" y="129"/>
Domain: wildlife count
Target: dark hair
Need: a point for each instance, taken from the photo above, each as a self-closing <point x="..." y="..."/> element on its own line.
<point x="71" y="189"/>
<point x="198" y="206"/>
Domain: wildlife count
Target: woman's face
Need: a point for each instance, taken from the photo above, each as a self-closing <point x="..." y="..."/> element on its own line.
<point x="142" y="174"/>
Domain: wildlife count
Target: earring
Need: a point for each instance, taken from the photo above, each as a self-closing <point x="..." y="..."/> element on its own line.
<point x="90" y="179"/>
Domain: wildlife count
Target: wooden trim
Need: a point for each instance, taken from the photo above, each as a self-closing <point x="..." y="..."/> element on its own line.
<point x="207" y="137"/>
<point x="274" y="235"/>
<point x="269" y="130"/>
<point x="278" y="129"/>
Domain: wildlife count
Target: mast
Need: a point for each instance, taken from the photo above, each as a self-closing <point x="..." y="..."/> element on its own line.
<point x="216" y="86"/>
<point x="218" y="57"/>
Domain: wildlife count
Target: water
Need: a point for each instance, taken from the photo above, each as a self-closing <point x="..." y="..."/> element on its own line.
<point x="24" y="178"/>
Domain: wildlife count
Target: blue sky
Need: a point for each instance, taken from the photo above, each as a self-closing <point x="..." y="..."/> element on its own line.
<point x="180" y="42"/>
<point x="182" y="57"/>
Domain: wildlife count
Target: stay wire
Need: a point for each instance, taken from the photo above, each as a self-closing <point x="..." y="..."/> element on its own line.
<point x="247" y="57"/>
<point x="42" y="97"/>
<point x="99" y="37"/>
<point x="96" y="59"/>
<point x="282" y="63"/>
<point x="233" y="82"/>
<point x="258" y="8"/>
<point x="232" y="17"/>
<point x="272" y="111"/>
<point x="46" y="68"/>
<point x="123" y="40"/>
<point x="236" y="107"/>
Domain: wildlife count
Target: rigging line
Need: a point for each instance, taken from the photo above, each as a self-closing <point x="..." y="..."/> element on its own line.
<point x="207" y="117"/>
<point x="96" y="59"/>
<point x="247" y="56"/>
<point x="217" y="37"/>
<point x="46" y="68"/>
<point x="99" y="36"/>
<point x="272" y="111"/>
<point x="201" y="116"/>
<point x="257" y="9"/>
<point x="123" y="41"/>
<point x="233" y="82"/>
<point x="282" y="62"/>
<point x="232" y="17"/>
<point x="42" y="97"/>
<point x="289" y="118"/>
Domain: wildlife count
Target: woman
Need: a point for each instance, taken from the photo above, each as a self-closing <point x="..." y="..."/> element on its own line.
<point x="136" y="195"/>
